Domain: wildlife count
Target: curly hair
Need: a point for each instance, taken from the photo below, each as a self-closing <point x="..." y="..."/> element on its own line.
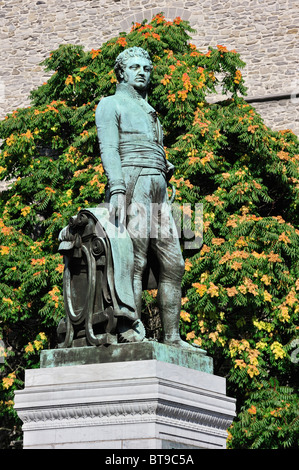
<point x="125" y="55"/>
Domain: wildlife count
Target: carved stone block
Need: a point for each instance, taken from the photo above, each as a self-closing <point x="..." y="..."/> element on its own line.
<point x="145" y="404"/>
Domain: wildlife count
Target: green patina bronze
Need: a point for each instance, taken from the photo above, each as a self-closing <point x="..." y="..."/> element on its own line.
<point x="148" y="350"/>
<point x="113" y="253"/>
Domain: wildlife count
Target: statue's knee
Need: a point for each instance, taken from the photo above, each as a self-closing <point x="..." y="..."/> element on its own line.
<point x="174" y="271"/>
<point x="139" y="265"/>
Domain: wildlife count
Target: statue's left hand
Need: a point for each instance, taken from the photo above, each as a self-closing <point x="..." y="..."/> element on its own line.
<point x="169" y="170"/>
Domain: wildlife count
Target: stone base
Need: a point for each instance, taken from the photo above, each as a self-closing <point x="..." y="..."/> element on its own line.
<point x="143" y="404"/>
<point x="191" y="358"/>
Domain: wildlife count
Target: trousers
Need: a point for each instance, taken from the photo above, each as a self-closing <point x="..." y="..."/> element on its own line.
<point x="151" y="226"/>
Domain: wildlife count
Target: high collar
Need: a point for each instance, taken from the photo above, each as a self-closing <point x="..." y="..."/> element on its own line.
<point x="132" y="93"/>
<point x="128" y="89"/>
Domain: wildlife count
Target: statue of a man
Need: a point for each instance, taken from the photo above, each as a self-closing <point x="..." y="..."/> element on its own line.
<point x="131" y="145"/>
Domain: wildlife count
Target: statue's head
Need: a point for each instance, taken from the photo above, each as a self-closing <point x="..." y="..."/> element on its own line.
<point x="134" y="66"/>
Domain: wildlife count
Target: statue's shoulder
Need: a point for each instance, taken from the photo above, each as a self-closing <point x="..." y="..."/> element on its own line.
<point x="109" y="102"/>
<point x="107" y="105"/>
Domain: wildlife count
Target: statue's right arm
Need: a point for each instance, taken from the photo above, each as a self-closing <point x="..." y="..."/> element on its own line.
<point x="107" y="122"/>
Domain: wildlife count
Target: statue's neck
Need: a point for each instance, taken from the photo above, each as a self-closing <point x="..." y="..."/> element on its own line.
<point x="131" y="91"/>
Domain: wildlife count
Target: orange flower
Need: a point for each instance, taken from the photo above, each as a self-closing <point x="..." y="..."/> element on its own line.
<point x="29" y="348"/>
<point x="25" y="210"/>
<point x="252" y="371"/>
<point x="225" y="258"/>
<point x="231" y="291"/>
<point x="60" y="268"/>
<point x="182" y="94"/>
<point x="267" y="296"/>
<point x="4" y="250"/>
<point x="213" y="336"/>
<point x="240" y="363"/>
<point x="242" y="289"/>
<point x="250" y="286"/>
<point x="171" y="97"/>
<point x="84" y="133"/>
<point x="274" y="257"/>
<point x="221" y="48"/>
<point x="49" y="190"/>
<point x="188" y="265"/>
<point x="238" y="77"/>
<point x="241" y="242"/>
<point x="177" y="20"/>
<point x="156" y="36"/>
<point x="94" y="53"/>
<point x="257" y="185"/>
<point x="252" y="410"/>
<point x="159" y="18"/>
<point x="200" y="288"/>
<point x="9" y="380"/>
<point x="240" y="254"/>
<point x="205" y="249"/>
<point x="291" y="298"/>
<point x="236" y="265"/>
<point x="283" y="155"/>
<point x="38" y="262"/>
<point x="266" y="279"/>
<point x="166" y="79"/>
<point x="10" y="140"/>
<point x="69" y="80"/>
<point x="214" y="200"/>
<point x="190" y="335"/>
<point x="284" y="313"/>
<point x="198" y="341"/>
<point x="217" y="241"/>
<point x="28" y="134"/>
<point x="193" y="160"/>
<point x="213" y="290"/>
<point x="252" y="128"/>
<point x="232" y="222"/>
<point x="135" y="26"/>
<point x="284" y="238"/>
<point x="122" y="42"/>
<point x="185" y="316"/>
<point x="153" y="292"/>
<point x="7" y="230"/>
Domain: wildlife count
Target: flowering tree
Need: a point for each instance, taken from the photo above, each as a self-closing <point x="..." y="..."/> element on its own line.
<point x="240" y="289"/>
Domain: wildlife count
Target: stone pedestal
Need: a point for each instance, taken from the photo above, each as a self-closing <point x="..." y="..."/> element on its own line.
<point x="150" y="403"/>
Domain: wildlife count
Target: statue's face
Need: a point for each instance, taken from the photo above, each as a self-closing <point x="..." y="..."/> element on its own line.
<point x="137" y="72"/>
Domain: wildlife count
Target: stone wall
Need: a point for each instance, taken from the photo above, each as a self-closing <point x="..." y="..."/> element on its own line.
<point x="265" y="32"/>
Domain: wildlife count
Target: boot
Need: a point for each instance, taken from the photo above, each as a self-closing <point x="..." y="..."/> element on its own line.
<point x="169" y="299"/>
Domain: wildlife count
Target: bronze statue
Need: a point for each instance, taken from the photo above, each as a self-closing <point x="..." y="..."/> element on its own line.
<point x="131" y="146"/>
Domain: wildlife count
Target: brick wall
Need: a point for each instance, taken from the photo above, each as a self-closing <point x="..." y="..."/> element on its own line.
<point x="265" y="32"/>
